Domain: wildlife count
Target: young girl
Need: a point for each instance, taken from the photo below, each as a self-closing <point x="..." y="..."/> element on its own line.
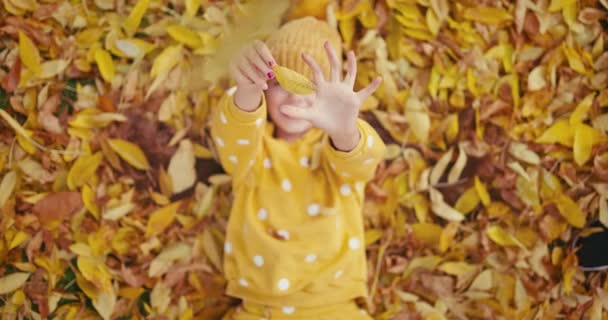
<point x="295" y="241"/>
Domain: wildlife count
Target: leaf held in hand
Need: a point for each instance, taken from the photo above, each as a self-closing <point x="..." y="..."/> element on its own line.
<point x="293" y="81"/>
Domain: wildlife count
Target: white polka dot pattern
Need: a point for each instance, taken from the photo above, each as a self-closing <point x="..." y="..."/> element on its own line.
<point x="258" y="260"/>
<point x="283" y="284"/>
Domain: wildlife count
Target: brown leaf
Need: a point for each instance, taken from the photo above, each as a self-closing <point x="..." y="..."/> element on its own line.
<point x="58" y="206"/>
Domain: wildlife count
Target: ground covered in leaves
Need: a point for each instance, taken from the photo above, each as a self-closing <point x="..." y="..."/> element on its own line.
<point x="494" y="113"/>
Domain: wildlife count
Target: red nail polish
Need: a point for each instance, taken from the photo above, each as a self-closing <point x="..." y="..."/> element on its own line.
<point x="270" y="63"/>
<point x="270" y="74"/>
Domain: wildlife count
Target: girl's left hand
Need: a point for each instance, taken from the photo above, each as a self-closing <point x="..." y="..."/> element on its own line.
<point x="336" y="105"/>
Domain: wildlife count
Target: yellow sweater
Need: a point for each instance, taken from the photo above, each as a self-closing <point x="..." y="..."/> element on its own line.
<point x="295" y="234"/>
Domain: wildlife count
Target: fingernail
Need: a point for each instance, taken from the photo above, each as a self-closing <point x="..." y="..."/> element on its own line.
<point x="270" y="74"/>
<point x="270" y="63"/>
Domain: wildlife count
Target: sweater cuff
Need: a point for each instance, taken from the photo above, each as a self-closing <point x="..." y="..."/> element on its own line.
<point x="238" y="115"/>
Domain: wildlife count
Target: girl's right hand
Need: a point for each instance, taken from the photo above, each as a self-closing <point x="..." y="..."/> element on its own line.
<point x="251" y="70"/>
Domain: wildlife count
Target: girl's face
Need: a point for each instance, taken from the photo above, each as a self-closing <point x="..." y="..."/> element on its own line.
<point x="286" y="127"/>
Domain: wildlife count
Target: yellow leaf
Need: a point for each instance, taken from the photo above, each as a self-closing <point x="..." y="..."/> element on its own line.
<point x="130" y="152"/>
<point x="7" y="186"/>
<point x="83" y="170"/>
<point x="192" y="7"/>
<point x="447" y="236"/>
<point x="28" y="51"/>
<point x="166" y="60"/>
<point x="88" y="198"/>
<point x="161" y="219"/>
<point x="582" y="109"/>
<point x="293" y="81"/>
<point x="482" y="192"/>
<point x="18" y="239"/>
<point x="458" y="167"/>
<point x="458" y="268"/>
<point x="425" y="262"/>
<point x="104" y="303"/>
<point x="442" y="209"/>
<point x="560" y="132"/>
<point x="211" y="249"/>
<point x="574" y="59"/>
<point x="487" y="15"/>
<point x="467" y="201"/>
<point x="501" y="236"/>
<point x="471" y="83"/>
<point x="52" y="68"/>
<point x="181" y="167"/>
<point x="418" y="118"/>
<point x="105" y="64"/>
<point x="118" y="211"/>
<point x="440" y="167"/>
<point x="523" y="153"/>
<point x="433" y="22"/>
<point x="372" y="235"/>
<point x="132" y="48"/>
<point x="134" y="19"/>
<point x="13" y="282"/>
<point x="484" y="281"/>
<point x="185" y="36"/>
<point x="428" y="233"/>
<point x="570" y="210"/>
<point x="583" y="143"/>
<point x="434" y="81"/>
<point x="557" y="5"/>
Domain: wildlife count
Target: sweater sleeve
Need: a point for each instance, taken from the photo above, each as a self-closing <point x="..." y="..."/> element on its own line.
<point x="237" y="135"/>
<point x="358" y="164"/>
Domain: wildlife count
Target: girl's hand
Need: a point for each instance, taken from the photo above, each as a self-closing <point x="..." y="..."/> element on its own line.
<point x="336" y="105"/>
<point x="251" y="70"/>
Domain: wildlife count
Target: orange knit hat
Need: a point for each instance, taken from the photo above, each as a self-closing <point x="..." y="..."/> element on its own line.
<point x="304" y="35"/>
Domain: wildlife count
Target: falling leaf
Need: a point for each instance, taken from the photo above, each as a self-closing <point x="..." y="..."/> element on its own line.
<point x="130" y="152"/>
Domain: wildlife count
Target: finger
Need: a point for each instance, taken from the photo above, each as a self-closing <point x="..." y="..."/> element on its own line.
<point x="264" y="52"/>
<point x="297" y="112"/>
<point x="256" y="59"/>
<point x="251" y="72"/>
<point x="351" y="69"/>
<point x="334" y="63"/>
<point x="317" y="74"/>
<point x="238" y="76"/>
<point x="367" y="91"/>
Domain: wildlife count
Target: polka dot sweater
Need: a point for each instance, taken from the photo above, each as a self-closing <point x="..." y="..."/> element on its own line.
<point x="295" y="232"/>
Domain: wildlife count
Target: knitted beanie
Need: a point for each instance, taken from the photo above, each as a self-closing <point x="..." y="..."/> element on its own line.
<point x="304" y="35"/>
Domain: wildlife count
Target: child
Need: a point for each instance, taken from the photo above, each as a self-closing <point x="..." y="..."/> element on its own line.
<point x="295" y="241"/>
